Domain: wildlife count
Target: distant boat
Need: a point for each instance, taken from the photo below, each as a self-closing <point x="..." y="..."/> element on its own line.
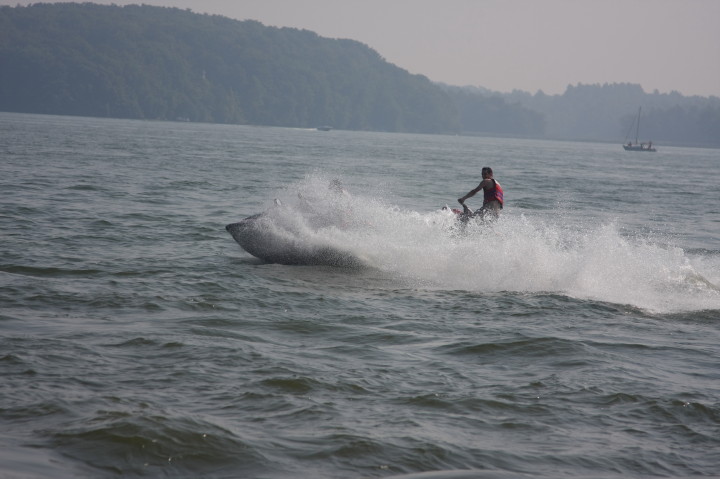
<point x="324" y="128"/>
<point x="630" y="146"/>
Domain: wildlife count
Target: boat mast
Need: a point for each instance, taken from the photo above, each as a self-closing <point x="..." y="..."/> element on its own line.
<point x="637" y="130"/>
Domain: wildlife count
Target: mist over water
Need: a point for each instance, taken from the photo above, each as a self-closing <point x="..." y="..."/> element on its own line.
<point x="576" y="336"/>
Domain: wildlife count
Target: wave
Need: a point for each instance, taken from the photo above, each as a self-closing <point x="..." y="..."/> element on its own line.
<point x="517" y="253"/>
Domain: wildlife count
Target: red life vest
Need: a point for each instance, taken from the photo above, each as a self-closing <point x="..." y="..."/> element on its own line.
<point x="494" y="194"/>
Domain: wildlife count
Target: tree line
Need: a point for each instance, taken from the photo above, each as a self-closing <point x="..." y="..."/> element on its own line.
<point x="166" y="63"/>
<point x="162" y="63"/>
<point x="608" y="112"/>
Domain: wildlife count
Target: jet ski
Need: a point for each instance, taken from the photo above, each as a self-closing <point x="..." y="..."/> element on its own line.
<point x="466" y="214"/>
<point x="284" y="237"/>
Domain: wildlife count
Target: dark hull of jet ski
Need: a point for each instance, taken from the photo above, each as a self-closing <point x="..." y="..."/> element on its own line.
<point x="260" y="240"/>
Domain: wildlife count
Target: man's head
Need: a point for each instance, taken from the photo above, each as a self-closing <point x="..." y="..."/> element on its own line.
<point x="487" y="172"/>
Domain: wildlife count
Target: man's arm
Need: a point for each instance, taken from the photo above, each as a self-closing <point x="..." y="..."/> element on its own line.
<point x="472" y="193"/>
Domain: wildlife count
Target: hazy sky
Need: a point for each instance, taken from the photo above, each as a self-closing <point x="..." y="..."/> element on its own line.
<point x="511" y="44"/>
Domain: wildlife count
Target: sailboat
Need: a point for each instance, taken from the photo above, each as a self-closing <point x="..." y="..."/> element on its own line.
<point x="630" y="146"/>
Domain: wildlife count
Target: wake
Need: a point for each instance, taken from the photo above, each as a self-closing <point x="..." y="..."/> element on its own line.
<point x="517" y="253"/>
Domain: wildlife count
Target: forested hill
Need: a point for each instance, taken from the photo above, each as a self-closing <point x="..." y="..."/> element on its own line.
<point x="166" y="63"/>
<point x="607" y="112"/>
<point x="161" y="63"/>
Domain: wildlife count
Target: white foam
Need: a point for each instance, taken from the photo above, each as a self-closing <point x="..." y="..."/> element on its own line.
<point x="518" y="253"/>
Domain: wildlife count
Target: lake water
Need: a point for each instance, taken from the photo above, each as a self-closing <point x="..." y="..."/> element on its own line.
<point x="577" y="336"/>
